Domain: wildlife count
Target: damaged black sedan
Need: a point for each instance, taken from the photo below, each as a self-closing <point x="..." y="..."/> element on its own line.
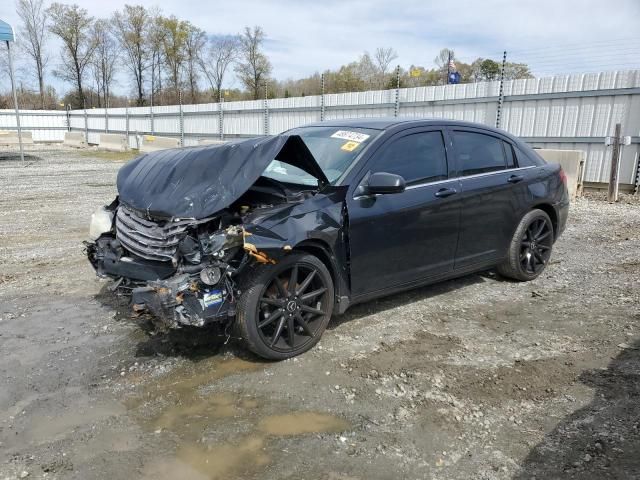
<point x="274" y="235"/>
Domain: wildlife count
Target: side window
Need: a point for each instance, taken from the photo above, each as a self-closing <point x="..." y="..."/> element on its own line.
<point x="527" y="160"/>
<point x="511" y="158"/>
<point x="418" y="157"/>
<point x="478" y="153"/>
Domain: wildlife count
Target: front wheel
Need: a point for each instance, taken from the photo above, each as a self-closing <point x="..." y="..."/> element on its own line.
<point x="530" y="248"/>
<point x="285" y="308"/>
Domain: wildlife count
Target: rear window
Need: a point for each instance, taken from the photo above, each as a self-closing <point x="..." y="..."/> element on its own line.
<point x="478" y="153"/>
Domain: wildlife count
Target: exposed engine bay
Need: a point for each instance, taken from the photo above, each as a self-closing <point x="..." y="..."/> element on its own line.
<point x="184" y="271"/>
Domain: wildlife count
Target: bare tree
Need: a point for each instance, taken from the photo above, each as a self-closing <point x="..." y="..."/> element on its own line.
<point x="104" y="60"/>
<point x="254" y="67"/>
<point x="218" y="56"/>
<point x="366" y="70"/>
<point x="383" y="58"/>
<point x="194" y="45"/>
<point x="34" y="32"/>
<point x="132" y="23"/>
<point x="173" y="42"/>
<point x="155" y="41"/>
<point x="73" y="25"/>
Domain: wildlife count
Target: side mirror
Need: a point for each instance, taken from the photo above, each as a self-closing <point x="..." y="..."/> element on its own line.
<point x="383" y="182"/>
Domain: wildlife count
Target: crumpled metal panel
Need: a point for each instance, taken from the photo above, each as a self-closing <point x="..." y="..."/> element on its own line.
<point x="198" y="182"/>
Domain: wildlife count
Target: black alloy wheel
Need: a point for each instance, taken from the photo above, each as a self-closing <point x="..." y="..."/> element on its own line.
<point x="291" y="310"/>
<point x="536" y="246"/>
<point x="530" y="248"/>
<point x="286" y="307"/>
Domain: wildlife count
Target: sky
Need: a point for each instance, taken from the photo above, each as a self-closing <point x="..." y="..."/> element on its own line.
<point x="552" y="36"/>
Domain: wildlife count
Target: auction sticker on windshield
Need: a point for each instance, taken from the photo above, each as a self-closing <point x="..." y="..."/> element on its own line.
<point x="352" y="136"/>
<point x="349" y="146"/>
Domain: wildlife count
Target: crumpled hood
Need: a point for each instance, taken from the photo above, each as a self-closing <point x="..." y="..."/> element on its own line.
<point x="197" y="182"/>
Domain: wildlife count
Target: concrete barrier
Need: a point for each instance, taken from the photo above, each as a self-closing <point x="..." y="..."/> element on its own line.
<point x="10" y="137"/>
<point x="211" y="142"/>
<point x="74" y="139"/>
<point x="572" y="162"/>
<point x="113" y="142"/>
<point x="151" y="143"/>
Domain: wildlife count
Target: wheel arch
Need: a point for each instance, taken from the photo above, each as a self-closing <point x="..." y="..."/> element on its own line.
<point x="323" y="252"/>
<point x="553" y="215"/>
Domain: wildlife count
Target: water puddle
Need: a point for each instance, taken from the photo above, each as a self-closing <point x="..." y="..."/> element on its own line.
<point x="182" y="384"/>
<point x="238" y="459"/>
<point x="196" y="412"/>
<point x="200" y="419"/>
<point x="300" y="423"/>
<point x="213" y="462"/>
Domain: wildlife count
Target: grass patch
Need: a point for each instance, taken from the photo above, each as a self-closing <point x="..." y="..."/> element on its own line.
<point x="114" y="156"/>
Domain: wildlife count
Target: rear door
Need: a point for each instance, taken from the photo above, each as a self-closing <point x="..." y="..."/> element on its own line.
<point x="490" y="184"/>
<point x="397" y="239"/>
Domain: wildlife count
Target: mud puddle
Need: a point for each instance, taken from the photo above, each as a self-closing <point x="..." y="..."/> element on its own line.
<point x="218" y="434"/>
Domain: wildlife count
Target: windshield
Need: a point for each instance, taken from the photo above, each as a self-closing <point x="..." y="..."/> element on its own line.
<point x="334" y="148"/>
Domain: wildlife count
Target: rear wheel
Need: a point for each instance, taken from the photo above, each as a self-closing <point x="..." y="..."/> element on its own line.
<point x="530" y="248"/>
<point x="285" y="308"/>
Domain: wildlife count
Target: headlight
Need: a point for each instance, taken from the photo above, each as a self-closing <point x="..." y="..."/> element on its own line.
<point x="101" y="221"/>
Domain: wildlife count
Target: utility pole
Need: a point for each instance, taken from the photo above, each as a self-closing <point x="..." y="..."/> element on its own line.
<point x="612" y="194"/>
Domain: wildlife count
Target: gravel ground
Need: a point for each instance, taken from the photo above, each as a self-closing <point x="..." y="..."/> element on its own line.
<point x="472" y="378"/>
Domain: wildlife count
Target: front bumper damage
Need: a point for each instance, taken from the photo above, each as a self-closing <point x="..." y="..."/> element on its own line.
<point x="176" y="302"/>
<point x="175" y="295"/>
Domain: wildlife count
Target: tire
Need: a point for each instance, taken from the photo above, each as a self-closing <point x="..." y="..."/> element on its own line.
<point x="269" y="306"/>
<point x="530" y="248"/>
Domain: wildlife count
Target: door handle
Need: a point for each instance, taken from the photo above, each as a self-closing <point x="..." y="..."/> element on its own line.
<point x="445" y="192"/>
<point x="515" y="178"/>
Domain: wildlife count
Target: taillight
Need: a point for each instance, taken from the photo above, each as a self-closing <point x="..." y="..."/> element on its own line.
<point x="563" y="176"/>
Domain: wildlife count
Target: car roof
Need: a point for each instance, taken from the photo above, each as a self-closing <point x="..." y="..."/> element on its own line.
<point x="385" y="123"/>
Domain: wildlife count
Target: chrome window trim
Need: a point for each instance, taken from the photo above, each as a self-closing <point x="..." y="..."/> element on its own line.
<point x="496" y="172"/>
<point x="477" y="175"/>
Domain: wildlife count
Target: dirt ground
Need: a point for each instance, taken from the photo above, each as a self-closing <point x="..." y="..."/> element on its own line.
<point x="476" y="378"/>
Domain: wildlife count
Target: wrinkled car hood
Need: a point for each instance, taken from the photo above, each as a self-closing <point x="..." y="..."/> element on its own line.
<point x="197" y="182"/>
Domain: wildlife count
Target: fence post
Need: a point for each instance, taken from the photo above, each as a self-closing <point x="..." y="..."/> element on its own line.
<point x="68" y="108"/>
<point x="221" y="114"/>
<point x="396" y="108"/>
<point x="612" y="194"/>
<point x="636" y="187"/>
<point x="86" y="126"/>
<point x="153" y="130"/>
<point x="181" y="119"/>
<point x="126" y="122"/>
<point x="501" y="94"/>
<point x="106" y="119"/>
<point x="322" y="98"/>
<point x="266" y="110"/>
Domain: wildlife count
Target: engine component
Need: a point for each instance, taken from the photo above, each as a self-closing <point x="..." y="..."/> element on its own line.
<point x="210" y="275"/>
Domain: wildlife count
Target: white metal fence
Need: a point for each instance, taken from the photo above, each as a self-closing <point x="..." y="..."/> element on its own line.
<point x="565" y="112"/>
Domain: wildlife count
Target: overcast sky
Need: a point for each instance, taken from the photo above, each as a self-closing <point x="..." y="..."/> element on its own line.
<point x="308" y="36"/>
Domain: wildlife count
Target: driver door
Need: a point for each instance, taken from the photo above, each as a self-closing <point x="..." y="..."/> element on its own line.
<point x="403" y="238"/>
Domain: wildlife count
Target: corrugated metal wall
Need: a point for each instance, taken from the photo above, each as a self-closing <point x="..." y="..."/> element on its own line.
<point x="566" y="112"/>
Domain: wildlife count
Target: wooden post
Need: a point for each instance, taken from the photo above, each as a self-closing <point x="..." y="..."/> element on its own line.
<point x="612" y="194"/>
